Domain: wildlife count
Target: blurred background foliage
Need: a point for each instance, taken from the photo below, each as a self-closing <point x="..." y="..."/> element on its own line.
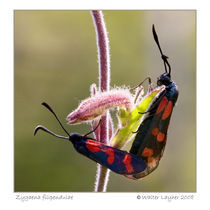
<point x="55" y="60"/>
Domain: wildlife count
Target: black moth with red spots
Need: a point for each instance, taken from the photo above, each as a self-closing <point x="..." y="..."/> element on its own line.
<point x="115" y="159"/>
<point x="151" y="136"/>
<point x="150" y="140"/>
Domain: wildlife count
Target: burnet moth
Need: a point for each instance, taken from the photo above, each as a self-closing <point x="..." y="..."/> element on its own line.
<point x="115" y="159"/>
<point x="150" y="140"/>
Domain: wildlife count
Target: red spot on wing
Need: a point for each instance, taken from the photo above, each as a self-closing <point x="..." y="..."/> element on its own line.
<point x="92" y="145"/>
<point x="167" y="110"/>
<point x="127" y="161"/>
<point x="110" y="153"/>
<point x="155" y="131"/>
<point x="152" y="162"/>
<point x="162" y="105"/>
<point x="160" y="136"/>
<point x="147" y="152"/>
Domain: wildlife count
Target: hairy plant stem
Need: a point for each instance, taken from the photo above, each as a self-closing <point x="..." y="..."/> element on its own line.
<point x="104" y="85"/>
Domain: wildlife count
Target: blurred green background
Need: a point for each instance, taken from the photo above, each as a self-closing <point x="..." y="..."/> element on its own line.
<point x="55" y="60"/>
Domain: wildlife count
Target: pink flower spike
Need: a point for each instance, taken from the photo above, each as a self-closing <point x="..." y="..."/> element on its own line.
<point x="98" y="104"/>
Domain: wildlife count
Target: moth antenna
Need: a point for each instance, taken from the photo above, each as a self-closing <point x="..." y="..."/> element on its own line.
<point x="52" y="111"/>
<point x="40" y="127"/>
<point x="164" y="57"/>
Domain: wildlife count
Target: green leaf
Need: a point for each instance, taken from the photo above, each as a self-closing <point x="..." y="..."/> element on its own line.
<point x="131" y="121"/>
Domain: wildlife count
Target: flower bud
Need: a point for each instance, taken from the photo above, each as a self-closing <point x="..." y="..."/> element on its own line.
<point x="99" y="103"/>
